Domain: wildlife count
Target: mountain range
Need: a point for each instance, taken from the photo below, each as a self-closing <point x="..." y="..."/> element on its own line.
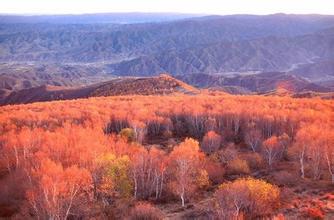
<point x="116" y="18"/>
<point x="244" y="51"/>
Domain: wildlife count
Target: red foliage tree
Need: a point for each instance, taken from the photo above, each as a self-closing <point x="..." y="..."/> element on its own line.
<point x="148" y="172"/>
<point x="253" y="138"/>
<point x="272" y="150"/>
<point x="211" y="142"/>
<point x="57" y="191"/>
<point x="185" y="167"/>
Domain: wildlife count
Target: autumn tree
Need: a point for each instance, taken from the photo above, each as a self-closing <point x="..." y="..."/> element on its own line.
<point x="328" y="143"/>
<point x="272" y="150"/>
<point x="227" y="155"/>
<point x="57" y="191"/>
<point x="74" y="145"/>
<point x="246" y="196"/>
<point x="159" y="127"/>
<point x="185" y="169"/>
<point x="116" y="125"/>
<point x="285" y="141"/>
<point x="215" y="169"/>
<point x="310" y="148"/>
<point x="139" y="129"/>
<point x="329" y="154"/>
<point x="18" y="147"/>
<point x="195" y="122"/>
<point x="116" y="179"/>
<point x="119" y="146"/>
<point x="253" y="138"/>
<point x="148" y="169"/>
<point x="211" y="142"/>
<point x="317" y="156"/>
<point x="301" y="148"/>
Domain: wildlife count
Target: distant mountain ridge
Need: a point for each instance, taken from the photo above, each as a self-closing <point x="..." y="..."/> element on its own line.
<point x="85" y="50"/>
<point x="200" y="45"/>
<point x="95" y="18"/>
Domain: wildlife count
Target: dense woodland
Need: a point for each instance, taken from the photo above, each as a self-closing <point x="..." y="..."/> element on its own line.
<point x="133" y="156"/>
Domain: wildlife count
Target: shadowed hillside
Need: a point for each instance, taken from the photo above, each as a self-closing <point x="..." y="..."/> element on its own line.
<point x="159" y="85"/>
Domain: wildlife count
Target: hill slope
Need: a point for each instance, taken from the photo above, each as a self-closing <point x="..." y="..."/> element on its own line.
<point x="159" y="85"/>
<point x="253" y="83"/>
<point x="15" y="77"/>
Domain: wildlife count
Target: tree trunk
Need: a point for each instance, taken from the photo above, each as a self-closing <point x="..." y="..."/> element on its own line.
<point x="330" y="167"/>
<point x="182" y="200"/>
<point x="301" y="160"/>
<point x="182" y="197"/>
<point x="253" y="147"/>
<point x="161" y="183"/>
<point x="135" y="191"/>
<point x="16" y="157"/>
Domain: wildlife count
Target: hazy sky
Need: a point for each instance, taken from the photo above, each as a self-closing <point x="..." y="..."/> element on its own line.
<point x="186" y="6"/>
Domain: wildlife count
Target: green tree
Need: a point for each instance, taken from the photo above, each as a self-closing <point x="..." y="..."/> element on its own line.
<point x="116" y="178"/>
<point x="128" y="134"/>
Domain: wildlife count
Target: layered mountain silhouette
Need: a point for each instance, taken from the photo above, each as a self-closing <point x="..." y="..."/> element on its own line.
<point x="116" y="18"/>
<point x="236" y="52"/>
<point x="115" y="42"/>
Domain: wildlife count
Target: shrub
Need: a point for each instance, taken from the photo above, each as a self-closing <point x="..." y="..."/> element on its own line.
<point x="215" y="171"/>
<point x="211" y="142"/>
<point x="286" y="194"/>
<point x="167" y="134"/>
<point x="238" y="166"/>
<point x="254" y="160"/>
<point x="228" y="154"/>
<point x="128" y="134"/>
<point x="285" y="178"/>
<point x="145" y="211"/>
<point x="314" y="213"/>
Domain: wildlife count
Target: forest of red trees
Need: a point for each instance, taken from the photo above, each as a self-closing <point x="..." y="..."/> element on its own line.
<point x="131" y="155"/>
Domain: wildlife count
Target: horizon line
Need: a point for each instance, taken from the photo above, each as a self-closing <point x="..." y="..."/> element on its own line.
<point x="141" y="12"/>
